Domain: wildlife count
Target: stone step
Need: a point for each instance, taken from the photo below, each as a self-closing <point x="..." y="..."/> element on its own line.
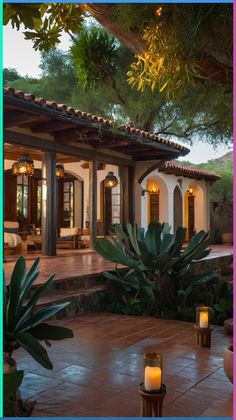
<point x="82" y="300"/>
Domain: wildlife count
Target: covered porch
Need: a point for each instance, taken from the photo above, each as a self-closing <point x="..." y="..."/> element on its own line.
<point x="89" y="147"/>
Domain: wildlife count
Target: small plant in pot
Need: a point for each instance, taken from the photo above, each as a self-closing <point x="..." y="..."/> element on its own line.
<point x="24" y="326"/>
<point x="228" y="361"/>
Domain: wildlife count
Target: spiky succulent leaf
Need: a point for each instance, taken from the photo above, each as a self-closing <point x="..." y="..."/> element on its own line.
<point x="46" y="331"/>
<point x="33" y="347"/>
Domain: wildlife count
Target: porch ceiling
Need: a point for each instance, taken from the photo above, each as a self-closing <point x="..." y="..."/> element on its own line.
<point x="15" y="151"/>
<point x="76" y="129"/>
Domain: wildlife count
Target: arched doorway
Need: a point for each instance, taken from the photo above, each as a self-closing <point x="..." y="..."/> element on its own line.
<point x="153" y="200"/>
<point x="109" y="208"/>
<point x="23" y="200"/>
<point x="190" y="196"/>
<point x="178" y="208"/>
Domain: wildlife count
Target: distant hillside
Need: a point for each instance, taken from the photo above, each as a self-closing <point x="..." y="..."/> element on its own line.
<point x="219" y="165"/>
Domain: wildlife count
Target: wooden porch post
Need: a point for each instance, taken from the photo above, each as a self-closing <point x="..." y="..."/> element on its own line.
<point x="93" y="198"/>
<point x="121" y="176"/>
<point x="131" y="194"/>
<point x="49" y="200"/>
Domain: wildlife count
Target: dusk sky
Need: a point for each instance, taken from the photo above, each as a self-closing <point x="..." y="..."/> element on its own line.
<point x="18" y="53"/>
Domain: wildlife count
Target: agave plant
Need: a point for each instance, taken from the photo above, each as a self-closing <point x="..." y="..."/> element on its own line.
<point x="158" y="265"/>
<point x="23" y="321"/>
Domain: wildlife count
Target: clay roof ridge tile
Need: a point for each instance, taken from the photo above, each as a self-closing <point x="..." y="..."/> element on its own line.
<point x="52" y="104"/>
<point x="30" y="97"/>
<point x="41" y="101"/>
<point x="19" y="94"/>
<point x="62" y="107"/>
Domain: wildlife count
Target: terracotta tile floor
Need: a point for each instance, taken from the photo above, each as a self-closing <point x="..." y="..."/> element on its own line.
<point x="83" y="263"/>
<point x="79" y="266"/>
<point x="97" y="373"/>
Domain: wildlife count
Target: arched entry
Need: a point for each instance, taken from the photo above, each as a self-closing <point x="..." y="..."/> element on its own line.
<point x="190" y="211"/>
<point x="153" y="200"/>
<point x="178" y="208"/>
<point x="109" y="207"/>
<point x="23" y="200"/>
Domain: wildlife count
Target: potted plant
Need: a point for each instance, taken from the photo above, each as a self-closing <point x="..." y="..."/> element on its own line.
<point x="228" y="362"/>
<point x="24" y="326"/>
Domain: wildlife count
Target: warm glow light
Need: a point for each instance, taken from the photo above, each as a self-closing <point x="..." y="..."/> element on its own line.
<point x="152" y="187"/>
<point x="152" y="378"/>
<point x="60" y="172"/>
<point x="202" y="317"/>
<point x="15" y="169"/>
<point x="110" y="181"/>
<point x="203" y="322"/>
<point x="159" y="11"/>
<point x="25" y="166"/>
<point x="152" y="371"/>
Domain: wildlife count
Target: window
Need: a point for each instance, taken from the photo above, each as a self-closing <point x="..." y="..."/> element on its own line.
<point x="115" y="205"/>
<point x="68" y="204"/>
<point x="22" y="197"/>
<point x="39" y="202"/>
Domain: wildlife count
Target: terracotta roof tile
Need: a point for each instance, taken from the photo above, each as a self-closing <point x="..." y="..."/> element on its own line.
<point x="94" y="118"/>
<point x="177" y="168"/>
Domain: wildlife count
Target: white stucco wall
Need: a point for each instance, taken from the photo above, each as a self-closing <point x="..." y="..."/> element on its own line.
<point x="167" y="184"/>
<point x="82" y="175"/>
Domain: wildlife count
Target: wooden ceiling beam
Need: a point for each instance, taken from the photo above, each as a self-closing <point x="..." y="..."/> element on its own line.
<point x="52" y="126"/>
<point x="153" y="155"/>
<point x="17" y="118"/>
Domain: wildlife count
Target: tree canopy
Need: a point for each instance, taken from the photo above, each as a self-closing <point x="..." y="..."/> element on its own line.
<point x="163" y="51"/>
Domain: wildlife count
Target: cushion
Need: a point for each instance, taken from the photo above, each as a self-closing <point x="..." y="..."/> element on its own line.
<point x="66" y="238"/>
<point x="11" y="230"/>
<point x="68" y="231"/>
<point x="11" y="224"/>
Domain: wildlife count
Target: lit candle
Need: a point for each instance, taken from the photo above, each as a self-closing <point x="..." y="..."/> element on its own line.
<point x="203" y="321"/>
<point x="152" y="378"/>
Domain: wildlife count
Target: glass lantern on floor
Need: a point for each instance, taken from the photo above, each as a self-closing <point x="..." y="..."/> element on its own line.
<point x="202" y="317"/>
<point x="152" y="372"/>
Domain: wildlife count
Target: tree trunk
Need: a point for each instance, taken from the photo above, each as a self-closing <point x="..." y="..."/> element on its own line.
<point x="103" y="13"/>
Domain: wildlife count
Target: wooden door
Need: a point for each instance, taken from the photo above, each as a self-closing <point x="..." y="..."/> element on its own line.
<point x="10" y="183"/>
<point x="191" y="221"/>
<point x="178" y="208"/>
<point x="154" y="207"/>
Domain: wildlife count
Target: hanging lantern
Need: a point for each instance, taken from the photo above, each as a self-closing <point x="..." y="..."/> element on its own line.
<point x="25" y="166"/>
<point x="110" y="181"/>
<point x="60" y="171"/>
<point x="15" y="169"/>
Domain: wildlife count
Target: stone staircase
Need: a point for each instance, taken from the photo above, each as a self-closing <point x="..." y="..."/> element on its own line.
<point x="85" y="294"/>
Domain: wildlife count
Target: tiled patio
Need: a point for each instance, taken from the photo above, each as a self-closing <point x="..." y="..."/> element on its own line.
<point x="83" y="263"/>
<point x="97" y="373"/>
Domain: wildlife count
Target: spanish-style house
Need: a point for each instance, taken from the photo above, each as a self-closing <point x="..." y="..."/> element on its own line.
<point x="70" y="176"/>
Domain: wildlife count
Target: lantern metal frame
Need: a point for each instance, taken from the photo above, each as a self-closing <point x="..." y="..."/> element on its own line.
<point x="110" y="180"/>
<point x="15" y="169"/>
<point x="25" y="166"/>
<point x="60" y="170"/>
